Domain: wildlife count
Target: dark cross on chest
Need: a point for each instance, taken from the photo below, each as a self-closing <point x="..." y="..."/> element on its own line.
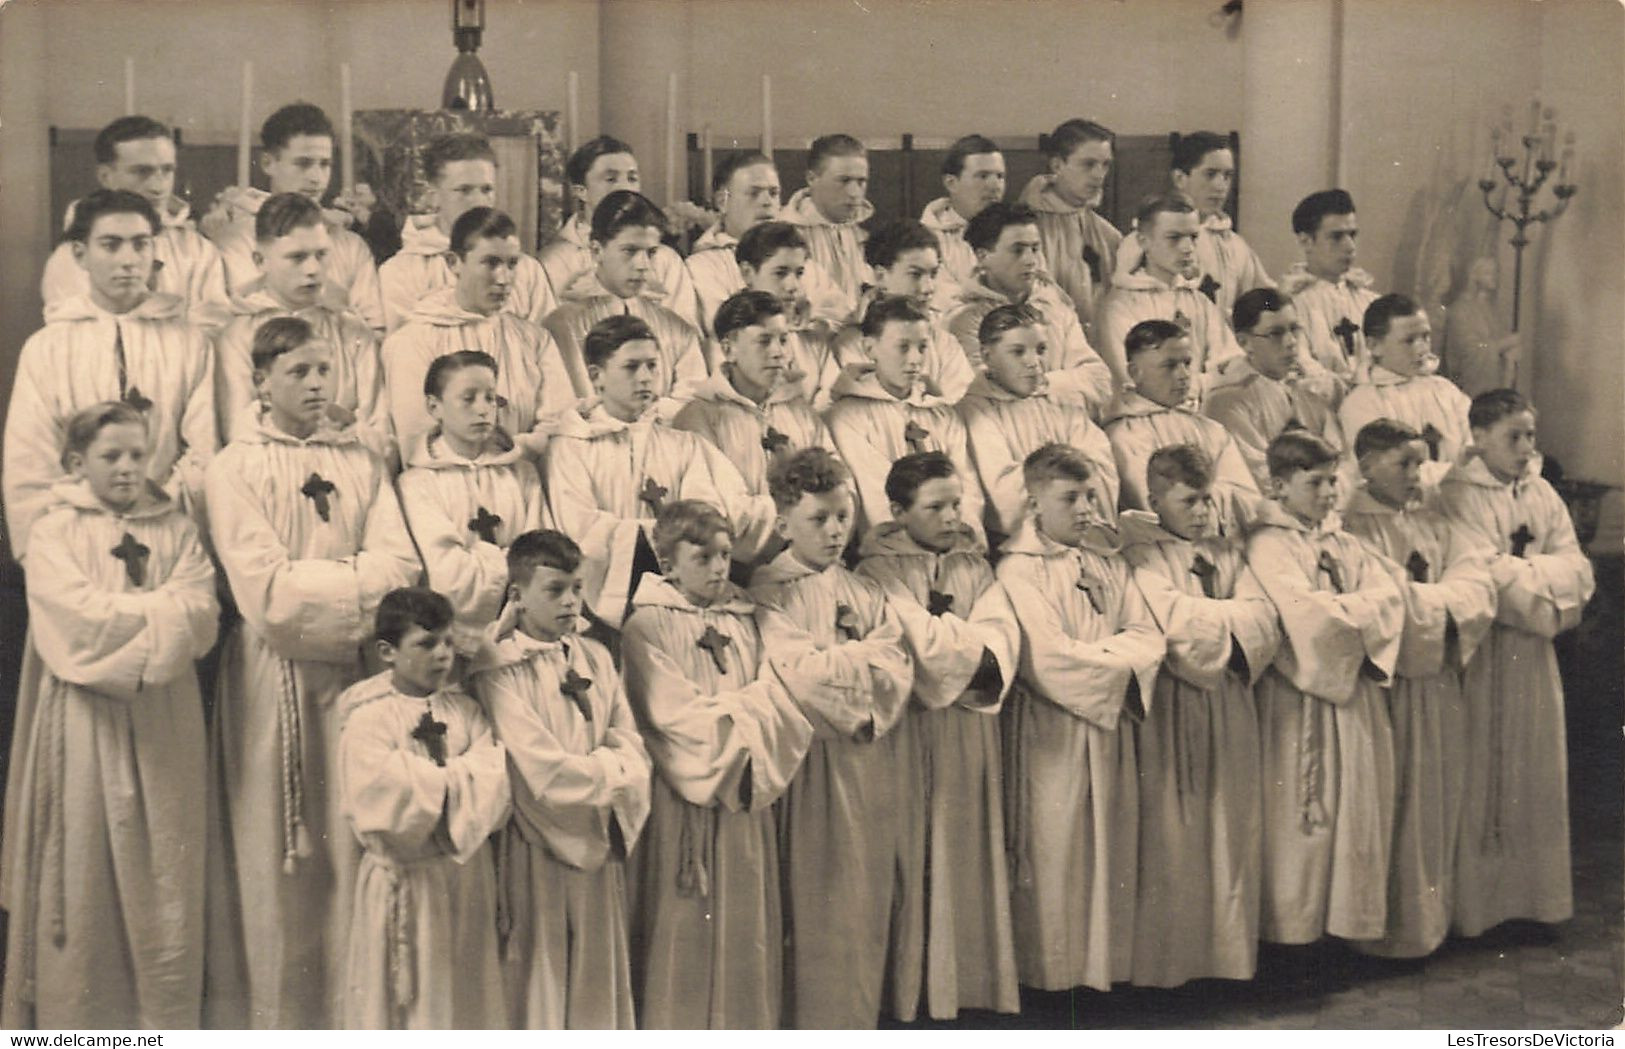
<point x="1091" y="258"/>
<point x="575" y="686"/>
<point x="652" y="495"/>
<point x="1521" y="540"/>
<point x="1433" y="437"/>
<point x="134" y="555"/>
<point x="1417" y="566"/>
<point x="134" y="398"/>
<point x="774" y="442"/>
<point x="715" y="642"/>
<point x="1334" y="571"/>
<point x="1209" y="287"/>
<point x="1206" y="573"/>
<point x="317" y="488"/>
<point x="916" y="436"/>
<point x="484" y="524"/>
<point x="938" y="603"/>
<point x="1345" y="331"/>
<point x="1093" y="589"/>
<point x="431" y="732"/>
<point x="846" y="622"/>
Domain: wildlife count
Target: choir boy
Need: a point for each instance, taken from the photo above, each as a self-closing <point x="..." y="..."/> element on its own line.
<point x="1203" y="168"/>
<point x="772" y="258"/>
<point x="1079" y="245"/>
<point x="829" y="208"/>
<point x="973" y="177"/>
<point x="1331" y="293"/>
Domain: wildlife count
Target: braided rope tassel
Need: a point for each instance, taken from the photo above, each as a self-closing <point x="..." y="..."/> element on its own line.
<point x="1492" y="812"/>
<point x="44" y="816"/>
<point x="56" y="874"/>
<point x="295" y="839"/>
<point x="1311" y="766"/>
<point x="695" y="833"/>
<point x="402" y="964"/>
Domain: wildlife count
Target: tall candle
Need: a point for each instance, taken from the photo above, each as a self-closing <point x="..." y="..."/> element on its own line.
<point x="572" y="110"/>
<point x="1568" y="158"/>
<point x="671" y="137"/>
<point x="346" y="129"/>
<point x="1534" y="116"/>
<point x="129" y="85"/>
<point x="706" y="168"/>
<point x="767" y="115"/>
<point x="1548" y="135"/>
<point x="245" y="128"/>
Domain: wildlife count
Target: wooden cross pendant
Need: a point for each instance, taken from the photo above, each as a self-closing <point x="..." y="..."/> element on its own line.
<point x="916" y="436"/>
<point x="431" y="732"/>
<point x="484" y="524"/>
<point x="1521" y="540"/>
<point x="652" y="494"/>
<point x="134" y="398"/>
<point x="1433" y="437"/>
<point x="1334" y="571"/>
<point x="846" y="622"/>
<point x="317" y="488"/>
<point x="134" y="555"/>
<point x="715" y="642"/>
<point x="575" y="686"/>
<point x="938" y="603"/>
<point x="1091" y="589"/>
<point x="1417" y="566"/>
<point x="1345" y="332"/>
<point x="1210" y="288"/>
<point x="1207" y="573"/>
<point x="773" y="441"/>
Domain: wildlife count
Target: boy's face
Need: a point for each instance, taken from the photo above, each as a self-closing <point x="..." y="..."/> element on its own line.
<point x="1508" y="445"/>
<point x="750" y="197"/>
<point x="1208" y="183"/>
<point x="145" y="166"/>
<point x="817" y="527"/>
<point x="548" y="603"/>
<point x="899" y="355"/>
<point x="485" y="276"/>
<point x="629" y="381"/>
<point x="1170" y="244"/>
<point x="979" y="183"/>
<point x="421" y="663"/>
<point x="299" y="386"/>
<point x="1330" y="251"/>
<point x="608" y="173"/>
<point x="1080" y="179"/>
<point x="117" y="257"/>
<point x="1017" y="361"/>
<point x="304" y="165"/>
<point x="466" y="407"/>
<point x="295" y="263"/>
<point x="760" y="353"/>
<point x="464" y="184"/>
<point x="838" y="187"/>
<point x="1185" y="511"/>
<point x="1012" y="265"/>
<point x="1163" y="374"/>
<point x="1309" y="495"/>
<point x="781" y="275"/>
<point x="1407" y="347"/>
<point x="700" y="573"/>
<point x="913" y="276"/>
<point x="115" y="464"/>
<point x="1272" y="345"/>
<point x="1066" y="509"/>
<point x="933" y="520"/>
<point x="627" y="262"/>
<point x="1394" y="476"/>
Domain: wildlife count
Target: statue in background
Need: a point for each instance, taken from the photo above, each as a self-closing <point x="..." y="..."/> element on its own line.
<point x="1479" y="352"/>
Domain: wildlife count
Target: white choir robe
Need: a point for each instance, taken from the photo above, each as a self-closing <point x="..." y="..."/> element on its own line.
<point x="1200" y="825"/>
<point x="872" y="430"/>
<point x="1076" y="372"/>
<point x="952" y="946"/>
<point x="1071" y="778"/>
<point x="746" y="433"/>
<point x="1328" y="749"/>
<point x="598" y="468"/>
<point x="946" y="366"/>
<point x="1138" y="296"/>
<point x="836" y="644"/>
<point x="580" y="799"/>
<point x="423" y="935"/>
<point x="958" y="259"/>
<point x="1227" y="263"/>
<point x="350" y="266"/>
<point x="74" y="362"/>
<point x="1080" y="247"/>
<point x="186" y="265"/>
<point x="1004" y="429"/>
<point x="725" y="739"/>
<point x="103" y="878"/>
<point x="682" y="354"/>
<point x="837" y="247"/>
<point x="567" y="258"/>
<point x="1256" y="410"/>
<point x="1137" y="426"/>
<point x="1448" y="613"/>
<point x="714" y="269"/>
<point x="464" y="514"/>
<point x="1512" y="858"/>
<point x="531" y="379"/>
<point x="1418" y="401"/>
<point x="1333" y="354"/>
<point x="423" y="266"/>
<point x="281" y="863"/>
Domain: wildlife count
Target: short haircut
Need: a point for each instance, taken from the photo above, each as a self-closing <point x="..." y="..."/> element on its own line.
<point x="765" y="240"/>
<point x="1148" y="335"/>
<point x="743" y="309"/>
<point x="477" y="224"/>
<point x="907" y="474"/>
<point x="886" y="309"/>
<point x="953" y="162"/>
<point x="625" y="209"/>
<point x="1491" y="406"/>
<point x="982" y="232"/>
<point x="441" y="369"/>
<point x="450" y="148"/>
<point x="87" y="422"/>
<point x="1065" y="139"/>
<point x="807" y="471"/>
<point x="297" y="118"/>
<point x="543" y="548"/>
<point x="1253" y="304"/>
<point x="1055" y="462"/>
<point x="587" y="154"/>
<point x="282" y="213"/>
<point x="1293" y="451"/>
<point x="126" y="129"/>
<point x="1152" y="206"/>
<point x="686" y="521"/>
<point x="277" y="336"/>
<point x="894" y="238"/>
<point x="1191" y="148"/>
<point x="734" y="163"/>
<point x="411" y="606"/>
<point x="610" y="334"/>
<point x="93" y="206"/>
<point x="837" y="145"/>
<point x="1172" y="464"/>
<point x="1316" y="206"/>
<point x="1380" y="315"/>
<point x="1380" y="435"/>
<point x="1001" y="319"/>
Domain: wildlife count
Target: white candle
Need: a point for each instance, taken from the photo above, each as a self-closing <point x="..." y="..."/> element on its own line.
<point x="129" y="85"/>
<point x="346" y="129"/>
<point x="767" y="115"/>
<point x="572" y="112"/>
<point x="705" y="152"/>
<point x="1568" y="158"/>
<point x="671" y="138"/>
<point x="245" y="129"/>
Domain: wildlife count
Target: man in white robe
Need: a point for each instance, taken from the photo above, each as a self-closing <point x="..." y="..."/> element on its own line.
<point x="772" y="257"/>
<point x="1203" y="168"/>
<point x="830" y="207"/>
<point x="1079" y="245"/>
<point x="1331" y="292"/>
<point x="973" y="178"/>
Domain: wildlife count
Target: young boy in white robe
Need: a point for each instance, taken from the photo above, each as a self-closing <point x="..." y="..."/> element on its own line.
<point x="772" y="258"/>
<point x="830" y="208"/>
<point x="1089" y="662"/>
<point x="1203" y="168"/>
<point x="972" y="178"/>
<point x="1328" y="752"/>
<point x="467" y="492"/>
<point x="461" y="170"/>
<point x="580" y="780"/>
<point x="104" y="884"/>
<point x="614" y="463"/>
<point x="596" y="169"/>
<point x="1512" y="860"/>
<point x="292" y="246"/>
<point x="1196" y="916"/>
<point x="1009" y="414"/>
<point x="878" y="417"/>
<point x="472" y="315"/>
<point x="137" y="154"/>
<point x="726" y="739"/>
<point x="951" y="939"/>
<point x="308" y="529"/>
<point x="298" y="158"/>
<point x="1443" y="572"/>
<point x="1331" y="293"/>
<point x="1080" y="247"/>
<point x="626" y="232"/>
<point x="1010" y="265"/>
<point x="423" y="785"/>
<point x="118" y="342"/>
<point x="838" y="646"/>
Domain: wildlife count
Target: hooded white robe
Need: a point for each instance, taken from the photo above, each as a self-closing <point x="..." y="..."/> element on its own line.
<point x="746" y="433"/>
<point x="682" y="354"/>
<point x="1138" y="296"/>
<point x="837" y="247"/>
<point x="1419" y="401"/>
<point x="958" y="260"/>
<point x="422" y="267"/>
<point x="714" y="269"/>
<point x="1322" y="307"/>
<point x="1080" y="247"/>
<point x="567" y="258"/>
<point x="947" y="368"/>
<point x="1076" y="372"/>
<point x="1257" y="409"/>
<point x="1137" y="426"/>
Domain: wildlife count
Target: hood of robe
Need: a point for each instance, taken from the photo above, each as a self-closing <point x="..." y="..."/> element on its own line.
<point x="1101" y="539"/>
<point x="800" y="210"/>
<point x="1128" y="404"/>
<point x="1130" y="275"/>
<point x="1039" y="194"/>
<point x="174" y="214"/>
<point x="422" y="236"/>
<point x="1269" y="512"/>
<point x="429" y="451"/>
<point x="717" y="388"/>
<point x="254" y="298"/>
<point x="1298" y="278"/>
<point x="504" y="644"/>
<point x="382" y="686"/>
<point x="984" y="387"/>
<point x="940" y="218"/>
<point x="441" y="309"/>
<point x="891" y="539"/>
<point x="657" y="591"/>
<point x="787" y="568"/>
<point x="1361" y="501"/>
<point x="1129" y="253"/>
<point x="588" y="419"/>
<point x="338" y="429"/>
<point x="862" y="383"/>
<point x="715" y="239"/>
<point x="585" y="287"/>
<point x="152" y="501"/>
<point x="247" y="200"/>
<point x="157" y="306"/>
<point x="1471" y="469"/>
